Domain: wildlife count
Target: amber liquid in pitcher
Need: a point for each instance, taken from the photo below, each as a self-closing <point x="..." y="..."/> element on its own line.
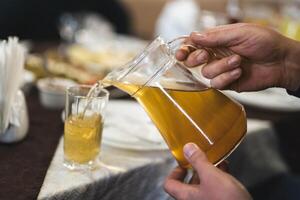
<point x="205" y="117"/>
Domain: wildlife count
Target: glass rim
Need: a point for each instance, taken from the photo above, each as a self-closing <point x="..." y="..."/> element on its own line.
<point x="103" y="91"/>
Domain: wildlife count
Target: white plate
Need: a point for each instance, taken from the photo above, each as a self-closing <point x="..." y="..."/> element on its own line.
<point x="128" y="126"/>
<point x="273" y="99"/>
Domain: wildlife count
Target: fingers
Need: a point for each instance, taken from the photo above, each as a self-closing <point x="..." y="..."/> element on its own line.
<point x="195" y="179"/>
<point x="223" y="72"/>
<point x="218" y="67"/>
<point x="185" y="50"/>
<point x="225" y="79"/>
<point x="177" y="174"/>
<point x="196" y="158"/>
<point x="224" y="36"/>
<point x="175" y="187"/>
<point x="182" y="54"/>
<point x="196" y="58"/>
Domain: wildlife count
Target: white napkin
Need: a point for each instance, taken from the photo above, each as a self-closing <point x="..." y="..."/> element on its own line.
<point x="12" y="56"/>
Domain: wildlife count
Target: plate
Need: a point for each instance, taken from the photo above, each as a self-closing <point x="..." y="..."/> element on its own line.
<point x="273" y="99"/>
<point x="127" y="126"/>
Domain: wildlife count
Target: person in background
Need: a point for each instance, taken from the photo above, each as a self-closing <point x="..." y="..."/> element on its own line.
<point x="39" y="20"/>
<point x="262" y="58"/>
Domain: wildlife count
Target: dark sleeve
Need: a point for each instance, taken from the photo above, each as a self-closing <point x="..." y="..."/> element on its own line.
<point x="294" y="93"/>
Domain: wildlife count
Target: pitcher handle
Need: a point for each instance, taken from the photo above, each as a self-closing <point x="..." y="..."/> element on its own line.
<point x="214" y="53"/>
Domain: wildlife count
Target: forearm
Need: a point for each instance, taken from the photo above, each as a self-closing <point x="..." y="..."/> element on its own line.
<point x="292" y="65"/>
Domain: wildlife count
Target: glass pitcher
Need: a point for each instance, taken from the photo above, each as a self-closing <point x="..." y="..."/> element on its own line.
<point x="182" y="107"/>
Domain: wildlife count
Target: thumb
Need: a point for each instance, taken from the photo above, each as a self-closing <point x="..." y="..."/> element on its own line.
<point x="196" y="158"/>
<point x="221" y="36"/>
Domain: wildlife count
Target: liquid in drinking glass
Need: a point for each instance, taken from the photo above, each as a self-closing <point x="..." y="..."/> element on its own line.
<point x="82" y="137"/>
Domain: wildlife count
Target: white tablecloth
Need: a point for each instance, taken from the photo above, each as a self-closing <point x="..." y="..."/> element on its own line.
<point x="139" y="174"/>
<point x="134" y="161"/>
<point x="125" y="175"/>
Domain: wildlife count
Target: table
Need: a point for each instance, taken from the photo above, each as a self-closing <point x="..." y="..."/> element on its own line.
<point x="24" y="165"/>
<point x="123" y="175"/>
<point x="129" y="174"/>
<point x="131" y="165"/>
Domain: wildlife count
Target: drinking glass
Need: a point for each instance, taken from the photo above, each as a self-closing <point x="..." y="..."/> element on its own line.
<point x="84" y="119"/>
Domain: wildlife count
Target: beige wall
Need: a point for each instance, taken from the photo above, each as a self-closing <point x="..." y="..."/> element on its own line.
<point x="143" y="15"/>
<point x="145" y="12"/>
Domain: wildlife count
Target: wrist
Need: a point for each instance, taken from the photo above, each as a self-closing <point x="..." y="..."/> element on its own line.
<point x="291" y="68"/>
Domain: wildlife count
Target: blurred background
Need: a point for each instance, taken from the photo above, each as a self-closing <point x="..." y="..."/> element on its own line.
<point x="76" y="41"/>
<point x="41" y="20"/>
<point x="85" y="35"/>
